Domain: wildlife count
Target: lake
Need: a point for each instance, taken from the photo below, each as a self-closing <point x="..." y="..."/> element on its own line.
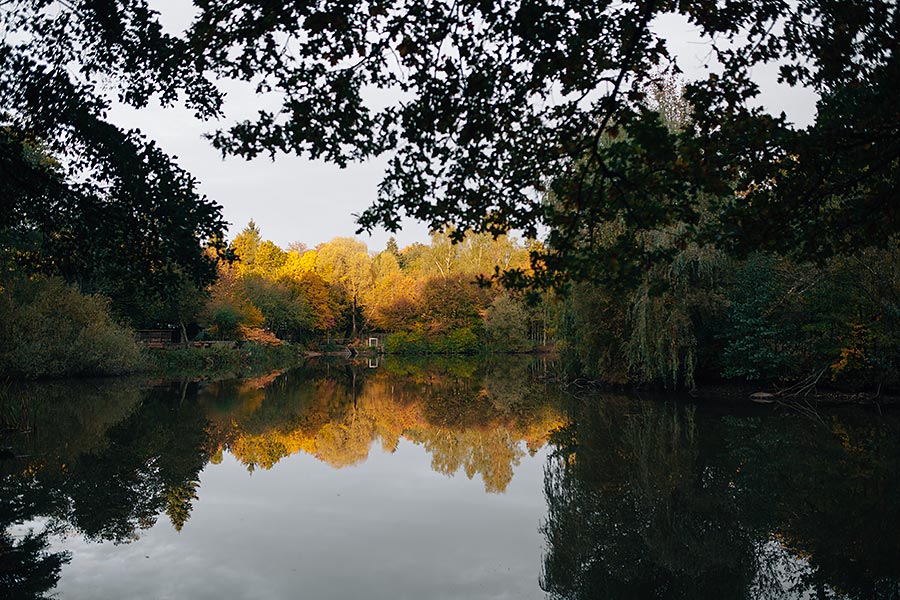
<point x="459" y="478"/>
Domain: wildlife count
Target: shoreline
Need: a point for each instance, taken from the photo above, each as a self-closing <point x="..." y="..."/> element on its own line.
<point x="250" y="360"/>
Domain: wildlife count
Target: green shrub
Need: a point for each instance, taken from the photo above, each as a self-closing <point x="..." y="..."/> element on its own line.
<point x="461" y="341"/>
<point x="506" y="325"/>
<point x="50" y="329"/>
<point x="224" y="322"/>
<point x="755" y="339"/>
<point x="406" y="342"/>
<point x="396" y="343"/>
<point x="250" y="357"/>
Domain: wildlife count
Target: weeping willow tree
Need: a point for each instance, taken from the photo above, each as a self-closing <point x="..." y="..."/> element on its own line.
<point x="636" y="317"/>
<point x="649" y="333"/>
<point x="661" y="344"/>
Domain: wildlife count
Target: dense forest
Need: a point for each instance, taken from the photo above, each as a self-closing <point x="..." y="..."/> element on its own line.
<point x="703" y="315"/>
<point x="426" y="296"/>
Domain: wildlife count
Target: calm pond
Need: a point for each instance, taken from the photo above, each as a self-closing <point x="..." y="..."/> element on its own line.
<point x="451" y="479"/>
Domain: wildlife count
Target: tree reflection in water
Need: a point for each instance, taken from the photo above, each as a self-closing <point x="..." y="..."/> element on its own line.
<point x="46" y="426"/>
<point x="451" y="408"/>
<point x="107" y="459"/>
<point x="27" y="568"/>
<point x="650" y="500"/>
<point x="644" y="499"/>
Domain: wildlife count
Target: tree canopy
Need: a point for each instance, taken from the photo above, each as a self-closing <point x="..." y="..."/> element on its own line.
<point x="503" y="115"/>
<point x="80" y="197"/>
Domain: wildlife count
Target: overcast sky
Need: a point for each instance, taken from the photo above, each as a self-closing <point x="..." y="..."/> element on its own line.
<point x="295" y="199"/>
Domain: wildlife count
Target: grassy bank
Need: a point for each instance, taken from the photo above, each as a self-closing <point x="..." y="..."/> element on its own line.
<point x="221" y="361"/>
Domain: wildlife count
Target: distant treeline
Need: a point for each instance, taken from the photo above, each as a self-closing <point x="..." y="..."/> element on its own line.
<point x="426" y="297"/>
<point x="422" y="299"/>
<point x="701" y="315"/>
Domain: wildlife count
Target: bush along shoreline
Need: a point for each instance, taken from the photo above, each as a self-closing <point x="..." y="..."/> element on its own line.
<point x="50" y="330"/>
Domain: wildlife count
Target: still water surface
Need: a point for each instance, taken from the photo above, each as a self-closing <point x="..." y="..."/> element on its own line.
<point x="459" y="479"/>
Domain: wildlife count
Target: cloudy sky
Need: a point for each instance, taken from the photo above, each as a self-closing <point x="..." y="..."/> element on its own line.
<point x="295" y="199"/>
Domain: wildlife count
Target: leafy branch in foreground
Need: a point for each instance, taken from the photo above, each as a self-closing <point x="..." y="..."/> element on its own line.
<point x="479" y="105"/>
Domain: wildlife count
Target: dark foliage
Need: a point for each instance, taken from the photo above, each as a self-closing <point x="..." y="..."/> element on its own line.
<point x="484" y="104"/>
<point x="81" y="198"/>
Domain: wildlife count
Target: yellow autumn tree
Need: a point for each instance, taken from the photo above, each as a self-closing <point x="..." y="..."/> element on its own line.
<point x="346" y="264"/>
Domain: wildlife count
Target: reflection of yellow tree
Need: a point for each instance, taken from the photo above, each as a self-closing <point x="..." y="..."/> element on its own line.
<point x="179" y="500"/>
<point x="493" y="453"/>
<point x="450" y="413"/>
<point x="258" y="450"/>
<point x="346" y="443"/>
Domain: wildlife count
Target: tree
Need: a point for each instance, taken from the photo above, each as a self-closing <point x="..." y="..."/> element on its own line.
<point x="482" y="253"/>
<point x="451" y="303"/>
<point x="506" y="324"/>
<point x="230" y="305"/>
<point x="283" y="306"/>
<point x="297" y="247"/>
<point x="299" y="271"/>
<point x="270" y="258"/>
<point x="412" y="256"/>
<point x="104" y="208"/>
<point x="391" y="301"/>
<point x="345" y="262"/>
<point x="496" y="102"/>
<point x="246" y="244"/>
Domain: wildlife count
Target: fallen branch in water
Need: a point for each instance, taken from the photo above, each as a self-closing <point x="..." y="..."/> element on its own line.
<point x="803" y="388"/>
<point x="805" y="397"/>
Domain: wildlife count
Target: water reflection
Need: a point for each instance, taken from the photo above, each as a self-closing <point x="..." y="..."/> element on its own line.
<point x="452" y="409"/>
<point x="650" y="500"/>
<point x="644" y="499"/>
<point x="108" y="459"/>
<point x="27" y="568"/>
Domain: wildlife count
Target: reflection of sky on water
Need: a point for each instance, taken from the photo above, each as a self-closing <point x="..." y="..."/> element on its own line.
<point x="639" y="498"/>
<point x="388" y="528"/>
<point x="782" y="573"/>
